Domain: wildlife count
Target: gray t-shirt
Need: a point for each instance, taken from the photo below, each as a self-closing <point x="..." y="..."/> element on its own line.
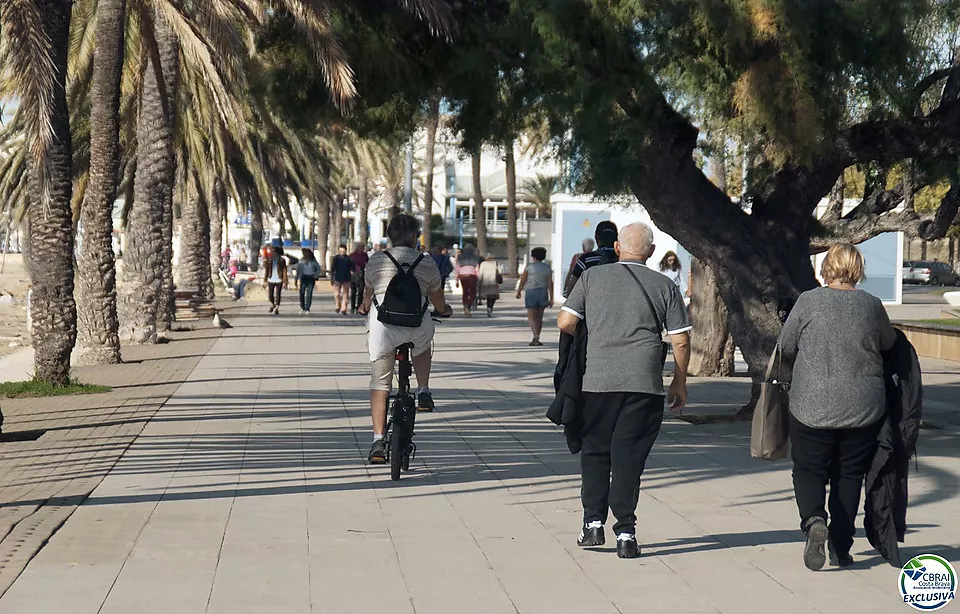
<point x="381" y="270"/>
<point x="538" y="275"/>
<point x="623" y="343"/>
<point x="835" y="339"/>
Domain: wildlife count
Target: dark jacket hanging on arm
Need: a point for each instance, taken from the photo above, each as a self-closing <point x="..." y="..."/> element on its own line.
<point x="885" y="506"/>
<point x="567" y="408"/>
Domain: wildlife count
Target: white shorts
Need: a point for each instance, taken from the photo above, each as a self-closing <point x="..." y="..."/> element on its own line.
<point x="381" y="372"/>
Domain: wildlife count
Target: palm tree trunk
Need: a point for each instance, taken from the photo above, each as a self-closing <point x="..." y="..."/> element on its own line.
<point x="512" y="247"/>
<point x="194" y="255"/>
<point x="363" y="208"/>
<point x="53" y="310"/>
<point x="204" y="264"/>
<point x="323" y="229"/>
<point x="218" y="211"/>
<point x="479" y="212"/>
<point x="98" y="325"/>
<point x="170" y="63"/>
<point x="433" y="122"/>
<point x="336" y="223"/>
<point x="256" y="231"/>
<point x="146" y="256"/>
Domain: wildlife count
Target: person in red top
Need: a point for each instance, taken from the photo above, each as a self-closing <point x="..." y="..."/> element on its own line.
<point x="360" y="260"/>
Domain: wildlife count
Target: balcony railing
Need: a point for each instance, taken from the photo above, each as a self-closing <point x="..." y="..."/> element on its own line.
<point x="496" y="229"/>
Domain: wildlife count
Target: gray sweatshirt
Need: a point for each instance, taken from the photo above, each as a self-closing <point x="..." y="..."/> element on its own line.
<point x="835" y="339"/>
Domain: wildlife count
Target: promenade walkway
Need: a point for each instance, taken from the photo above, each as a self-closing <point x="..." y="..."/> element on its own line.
<point x="247" y="492"/>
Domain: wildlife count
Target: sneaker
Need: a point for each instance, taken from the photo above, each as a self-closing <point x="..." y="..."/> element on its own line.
<point x="489" y="312"/>
<point x="301" y="312"/>
<point x="813" y="554"/>
<point x="337" y="310"/>
<point x="591" y="535"/>
<point x="378" y="452"/>
<point x="425" y="402"/>
<point x="627" y="546"/>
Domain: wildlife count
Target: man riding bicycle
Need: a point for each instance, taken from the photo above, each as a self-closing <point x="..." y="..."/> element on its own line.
<point x="383" y="338"/>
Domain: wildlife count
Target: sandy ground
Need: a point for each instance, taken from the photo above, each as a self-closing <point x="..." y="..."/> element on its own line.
<point x="14" y="282"/>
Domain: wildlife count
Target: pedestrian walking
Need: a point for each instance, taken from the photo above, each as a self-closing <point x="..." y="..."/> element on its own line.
<point x="468" y="265"/>
<point x="537" y="280"/>
<point x="670" y="266"/>
<point x="360" y="260"/>
<point x="626" y="307"/>
<point x="341" y="273"/>
<point x="308" y="270"/>
<point x="275" y="272"/>
<point x="834" y="337"/>
<point x="588" y="245"/>
<point x="489" y="278"/>
<point x="442" y="259"/>
<point x="605" y="235"/>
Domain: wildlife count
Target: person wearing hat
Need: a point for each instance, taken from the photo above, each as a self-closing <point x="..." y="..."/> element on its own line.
<point x="606" y="236"/>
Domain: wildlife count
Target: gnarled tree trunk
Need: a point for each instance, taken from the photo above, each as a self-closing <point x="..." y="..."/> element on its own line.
<point x="479" y="211"/>
<point x="513" y="252"/>
<point x="711" y="344"/>
<point x="98" y="324"/>
<point x="50" y="218"/>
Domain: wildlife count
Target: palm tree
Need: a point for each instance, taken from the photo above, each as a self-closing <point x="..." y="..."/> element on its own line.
<point x="480" y="213"/>
<point x="433" y="122"/>
<point x="35" y="37"/>
<point x="98" y="325"/>
<point x="512" y="243"/>
<point x="540" y="192"/>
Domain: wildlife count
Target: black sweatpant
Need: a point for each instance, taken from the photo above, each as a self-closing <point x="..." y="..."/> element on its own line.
<point x="841" y="458"/>
<point x="618" y="433"/>
<point x="356" y="294"/>
<point x="273" y="291"/>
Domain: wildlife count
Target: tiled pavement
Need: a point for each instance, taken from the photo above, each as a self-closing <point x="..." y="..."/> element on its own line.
<point x="247" y="492"/>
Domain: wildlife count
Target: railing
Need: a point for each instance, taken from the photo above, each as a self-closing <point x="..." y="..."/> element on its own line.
<point x="494" y="229"/>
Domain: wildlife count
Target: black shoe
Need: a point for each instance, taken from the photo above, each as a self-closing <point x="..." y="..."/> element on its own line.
<point x="378" y="452"/>
<point x="627" y="546"/>
<point x="591" y="535"/>
<point x="813" y="555"/>
<point x="844" y="560"/>
<point x="425" y="402"/>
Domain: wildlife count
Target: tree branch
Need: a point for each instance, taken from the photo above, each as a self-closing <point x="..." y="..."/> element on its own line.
<point x="877" y="203"/>
<point x="861" y="229"/>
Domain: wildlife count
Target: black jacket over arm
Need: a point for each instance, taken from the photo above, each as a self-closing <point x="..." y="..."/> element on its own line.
<point x="885" y="506"/>
<point x="567" y="408"/>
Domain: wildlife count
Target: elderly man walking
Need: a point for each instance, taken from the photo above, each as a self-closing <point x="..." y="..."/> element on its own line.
<point x="626" y="307"/>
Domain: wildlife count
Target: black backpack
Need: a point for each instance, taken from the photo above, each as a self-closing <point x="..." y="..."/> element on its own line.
<point x="403" y="304"/>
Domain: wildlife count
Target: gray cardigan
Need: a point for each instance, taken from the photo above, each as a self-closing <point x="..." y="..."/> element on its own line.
<point x="835" y="339"/>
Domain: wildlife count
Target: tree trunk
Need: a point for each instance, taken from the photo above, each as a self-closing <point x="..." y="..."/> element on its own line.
<point x="98" y="325"/>
<point x="218" y="212"/>
<point x="256" y="232"/>
<point x="49" y="259"/>
<point x="513" y="252"/>
<point x="194" y="269"/>
<point x="336" y="224"/>
<point x="711" y="345"/>
<point x="479" y="212"/>
<point x="169" y="49"/>
<point x="433" y="122"/>
<point x="323" y="230"/>
<point x="363" y="208"/>
<point x="207" y="273"/>
<point x="293" y="233"/>
<point x="145" y="253"/>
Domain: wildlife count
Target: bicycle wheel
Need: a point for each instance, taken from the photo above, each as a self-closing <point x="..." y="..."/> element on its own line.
<point x="397" y="442"/>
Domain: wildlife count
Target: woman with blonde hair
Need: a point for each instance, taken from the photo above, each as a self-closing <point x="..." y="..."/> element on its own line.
<point x="834" y="337"/>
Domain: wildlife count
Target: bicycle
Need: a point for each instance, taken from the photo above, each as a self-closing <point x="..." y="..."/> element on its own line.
<point x="403" y="411"/>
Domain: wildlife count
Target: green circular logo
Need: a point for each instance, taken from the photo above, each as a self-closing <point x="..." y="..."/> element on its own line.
<point x="927" y="582"/>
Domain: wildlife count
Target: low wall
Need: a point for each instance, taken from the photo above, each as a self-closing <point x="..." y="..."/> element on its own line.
<point x="933" y="341"/>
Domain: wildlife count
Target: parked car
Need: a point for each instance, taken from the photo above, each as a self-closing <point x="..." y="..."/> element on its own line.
<point x="931" y="273"/>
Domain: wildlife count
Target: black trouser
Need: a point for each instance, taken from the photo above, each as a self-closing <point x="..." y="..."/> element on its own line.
<point x="273" y="290"/>
<point x="618" y="433"/>
<point x="491" y="301"/>
<point x="356" y="293"/>
<point x="306" y="292"/>
<point x="840" y="457"/>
